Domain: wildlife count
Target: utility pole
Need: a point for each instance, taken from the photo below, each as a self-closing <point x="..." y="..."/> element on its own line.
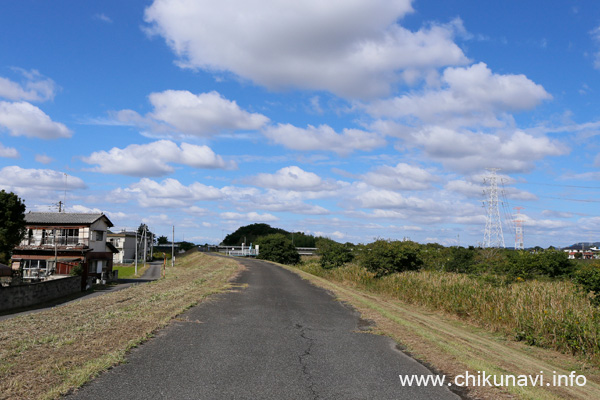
<point x="173" y="248"/>
<point x="152" y="245"/>
<point x="493" y="236"/>
<point x="519" y="238"/>
<point x="136" y="251"/>
<point x="145" y="245"/>
<point x="55" y="251"/>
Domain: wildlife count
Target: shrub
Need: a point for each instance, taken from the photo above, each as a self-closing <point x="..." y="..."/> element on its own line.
<point x="460" y="260"/>
<point x="333" y="254"/>
<point x="548" y="263"/>
<point x="77" y="270"/>
<point x="384" y="257"/>
<point x="278" y="248"/>
<point x="435" y="257"/>
<point x="588" y="277"/>
<point x="555" y="263"/>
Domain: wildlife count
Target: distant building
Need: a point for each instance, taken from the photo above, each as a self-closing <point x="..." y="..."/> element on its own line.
<point x="590" y="254"/>
<point x="55" y="243"/>
<point x="125" y="243"/>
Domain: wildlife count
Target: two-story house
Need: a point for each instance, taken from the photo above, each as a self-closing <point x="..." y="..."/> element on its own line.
<point x="125" y="242"/>
<point x="55" y="243"/>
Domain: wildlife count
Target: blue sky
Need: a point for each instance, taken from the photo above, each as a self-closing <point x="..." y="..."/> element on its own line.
<point x="353" y="119"/>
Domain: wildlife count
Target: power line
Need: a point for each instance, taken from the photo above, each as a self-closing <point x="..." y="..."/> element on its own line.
<point x="567" y="199"/>
<point x="557" y="185"/>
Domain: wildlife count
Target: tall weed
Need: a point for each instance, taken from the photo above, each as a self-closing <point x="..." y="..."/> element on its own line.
<point x="555" y="314"/>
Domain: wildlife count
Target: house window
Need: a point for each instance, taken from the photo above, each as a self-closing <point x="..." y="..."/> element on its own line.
<point x="95" y="266"/>
<point x="98" y="235"/>
<point x="71" y="236"/>
<point x="34" y="268"/>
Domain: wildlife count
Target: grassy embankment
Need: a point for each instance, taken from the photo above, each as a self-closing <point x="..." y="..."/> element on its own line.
<point x="458" y="323"/>
<point x="46" y="354"/>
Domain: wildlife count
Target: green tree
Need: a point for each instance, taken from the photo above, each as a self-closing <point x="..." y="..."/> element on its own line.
<point x="250" y="233"/>
<point x="333" y="254"/>
<point x="434" y="256"/>
<point x="588" y="276"/>
<point x="185" y="246"/>
<point x="162" y="240"/>
<point x="12" y="223"/>
<point x="555" y="263"/>
<point x="386" y="257"/>
<point x="278" y="248"/>
<point x="460" y="259"/>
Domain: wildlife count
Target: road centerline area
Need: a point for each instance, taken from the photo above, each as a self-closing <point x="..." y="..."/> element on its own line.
<point x="278" y="338"/>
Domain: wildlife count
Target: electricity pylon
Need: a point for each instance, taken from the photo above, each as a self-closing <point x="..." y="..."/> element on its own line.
<point x="493" y="236"/>
<point x="519" y="237"/>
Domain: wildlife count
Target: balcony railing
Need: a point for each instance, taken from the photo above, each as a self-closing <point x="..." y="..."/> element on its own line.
<point x="58" y="241"/>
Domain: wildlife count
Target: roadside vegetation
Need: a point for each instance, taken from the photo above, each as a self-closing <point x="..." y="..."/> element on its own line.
<point x="543" y="299"/>
<point x="448" y="343"/>
<point x="12" y="223"/>
<point x="49" y="353"/>
<point x="277" y="248"/>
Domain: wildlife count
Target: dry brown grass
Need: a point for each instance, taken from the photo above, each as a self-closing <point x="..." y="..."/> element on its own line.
<point x="49" y="353"/>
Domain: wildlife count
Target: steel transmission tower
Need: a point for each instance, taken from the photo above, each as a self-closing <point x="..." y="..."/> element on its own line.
<point x="493" y="236"/>
<point x="519" y="238"/>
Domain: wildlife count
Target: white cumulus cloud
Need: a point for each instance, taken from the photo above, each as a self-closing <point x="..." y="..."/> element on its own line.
<point x="291" y="178"/>
<point x="467" y="151"/>
<point x="179" y="112"/>
<point x="25" y="119"/>
<point x="168" y="193"/>
<point x="351" y="48"/>
<point x="249" y="217"/>
<point x="14" y="177"/>
<point x="8" y="152"/>
<point x="34" y="88"/>
<point x="401" y="177"/>
<point x="155" y="159"/>
<point x="324" y="138"/>
<point x="466" y="90"/>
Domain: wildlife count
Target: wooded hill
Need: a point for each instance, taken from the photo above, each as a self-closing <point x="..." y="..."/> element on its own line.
<point x="249" y="233"/>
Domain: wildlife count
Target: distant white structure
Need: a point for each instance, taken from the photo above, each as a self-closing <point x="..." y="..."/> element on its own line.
<point x="244" y="251"/>
<point x="125" y="241"/>
<point x="493" y="236"/>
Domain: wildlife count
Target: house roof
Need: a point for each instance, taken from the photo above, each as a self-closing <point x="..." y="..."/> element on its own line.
<point x="122" y="234"/>
<point x="47" y="218"/>
<point x="111" y="247"/>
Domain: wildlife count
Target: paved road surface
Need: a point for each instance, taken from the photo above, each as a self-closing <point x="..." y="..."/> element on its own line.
<point x="279" y="338"/>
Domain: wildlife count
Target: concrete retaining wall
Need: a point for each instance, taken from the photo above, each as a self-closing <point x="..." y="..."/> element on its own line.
<point x="27" y="295"/>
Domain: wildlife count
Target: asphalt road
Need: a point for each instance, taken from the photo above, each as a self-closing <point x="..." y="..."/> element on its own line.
<point x="278" y="338"/>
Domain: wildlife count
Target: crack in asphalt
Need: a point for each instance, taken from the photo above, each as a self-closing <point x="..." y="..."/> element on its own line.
<point x="301" y="358"/>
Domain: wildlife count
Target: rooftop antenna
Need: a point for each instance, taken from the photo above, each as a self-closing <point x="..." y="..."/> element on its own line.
<point x="493" y="236"/>
<point x="65" y="196"/>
